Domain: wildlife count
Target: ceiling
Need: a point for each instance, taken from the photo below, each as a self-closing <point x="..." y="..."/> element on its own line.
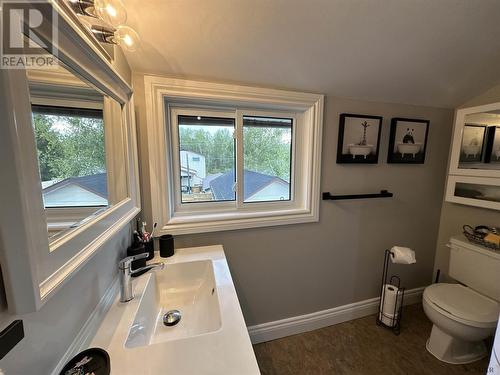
<point x="438" y="53"/>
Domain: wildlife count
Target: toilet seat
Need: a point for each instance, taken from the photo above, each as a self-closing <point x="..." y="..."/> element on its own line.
<point x="462" y="304"/>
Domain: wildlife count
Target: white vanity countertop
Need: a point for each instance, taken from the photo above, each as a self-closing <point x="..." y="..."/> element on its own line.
<point x="225" y="351"/>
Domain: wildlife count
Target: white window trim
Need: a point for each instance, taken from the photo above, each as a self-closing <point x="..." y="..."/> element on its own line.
<point x="66" y="103"/>
<point x="161" y="92"/>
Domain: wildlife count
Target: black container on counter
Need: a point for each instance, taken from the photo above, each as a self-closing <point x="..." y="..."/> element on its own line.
<point x="166" y="246"/>
<point x="150" y="249"/>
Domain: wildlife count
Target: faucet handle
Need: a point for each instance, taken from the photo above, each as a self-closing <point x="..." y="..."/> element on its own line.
<point x="126" y="262"/>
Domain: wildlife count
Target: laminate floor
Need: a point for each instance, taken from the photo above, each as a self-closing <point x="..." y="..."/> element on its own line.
<point x="360" y="347"/>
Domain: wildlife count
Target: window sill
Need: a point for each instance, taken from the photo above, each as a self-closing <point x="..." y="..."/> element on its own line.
<point x="232" y="221"/>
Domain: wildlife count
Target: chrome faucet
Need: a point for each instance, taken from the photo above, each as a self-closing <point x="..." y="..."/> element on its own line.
<point x="124" y="267"/>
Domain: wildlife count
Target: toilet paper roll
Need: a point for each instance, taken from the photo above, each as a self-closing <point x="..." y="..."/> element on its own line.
<point x="389" y="322"/>
<point x="389" y="310"/>
<point x="402" y="255"/>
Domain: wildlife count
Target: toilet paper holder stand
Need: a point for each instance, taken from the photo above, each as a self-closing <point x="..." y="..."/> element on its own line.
<point x="391" y="320"/>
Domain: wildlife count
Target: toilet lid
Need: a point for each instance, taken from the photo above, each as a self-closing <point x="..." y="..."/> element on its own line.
<point x="463" y="302"/>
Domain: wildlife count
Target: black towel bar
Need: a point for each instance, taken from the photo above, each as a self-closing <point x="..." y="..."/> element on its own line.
<point x="382" y="194"/>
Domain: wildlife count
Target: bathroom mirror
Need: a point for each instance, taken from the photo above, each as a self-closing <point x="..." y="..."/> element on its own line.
<point x="474" y="169"/>
<point x="71" y="180"/>
<point x="480" y="146"/>
<point x="73" y="133"/>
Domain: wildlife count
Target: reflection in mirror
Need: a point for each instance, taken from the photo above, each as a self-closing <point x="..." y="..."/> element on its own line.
<point x="69" y="126"/>
<point x="480" y="147"/>
<point x="493" y="155"/>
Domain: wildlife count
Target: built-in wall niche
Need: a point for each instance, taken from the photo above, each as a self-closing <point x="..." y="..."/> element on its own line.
<point x="68" y="141"/>
<point x="474" y="191"/>
<point x="474" y="169"/>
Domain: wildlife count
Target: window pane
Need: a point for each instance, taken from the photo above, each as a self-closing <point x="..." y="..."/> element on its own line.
<point x="267" y="148"/>
<point x="207" y="159"/>
<point x="71" y="156"/>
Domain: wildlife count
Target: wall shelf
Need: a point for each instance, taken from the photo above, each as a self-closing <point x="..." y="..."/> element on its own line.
<point x="382" y="194"/>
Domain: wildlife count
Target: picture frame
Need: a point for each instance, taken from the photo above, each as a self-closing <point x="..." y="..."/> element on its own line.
<point x="473" y="141"/>
<point x="408" y="140"/>
<point x="492" y="153"/>
<point x="359" y="139"/>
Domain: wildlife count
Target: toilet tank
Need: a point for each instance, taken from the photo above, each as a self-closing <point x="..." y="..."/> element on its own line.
<point x="475" y="266"/>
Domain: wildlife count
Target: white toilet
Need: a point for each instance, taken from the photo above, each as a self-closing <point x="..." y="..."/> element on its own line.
<point x="464" y="315"/>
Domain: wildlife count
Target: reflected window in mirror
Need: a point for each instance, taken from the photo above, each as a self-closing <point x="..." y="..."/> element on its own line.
<point x="71" y="156"/>
<point x="70" y="127"/>
<point x="72" y="163"/>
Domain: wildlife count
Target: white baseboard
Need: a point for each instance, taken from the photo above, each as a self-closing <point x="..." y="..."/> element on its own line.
<point x="309" y="322"/>
<point x="89" y="329"/>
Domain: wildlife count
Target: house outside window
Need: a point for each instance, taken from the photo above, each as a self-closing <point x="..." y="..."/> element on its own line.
<point x="71" y="156"/>
<point x="72" y="163"/>
<point x="207" y="158"/>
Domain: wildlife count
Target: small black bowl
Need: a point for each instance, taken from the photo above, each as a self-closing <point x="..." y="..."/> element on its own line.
<point x="93" y="360"/>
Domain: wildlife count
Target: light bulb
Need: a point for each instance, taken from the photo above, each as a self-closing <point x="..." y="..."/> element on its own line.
<point x="111" y="11"/>
<point x="127" y="38"/>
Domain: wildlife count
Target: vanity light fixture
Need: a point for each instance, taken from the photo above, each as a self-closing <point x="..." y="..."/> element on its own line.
<point x="123" y="36"/>
<point x="83" y="7"/>
<point x="111" y="11"/>
<point x="112" y="16"/>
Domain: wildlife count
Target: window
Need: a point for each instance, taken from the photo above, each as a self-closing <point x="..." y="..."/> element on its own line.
<point x="225" y="157"/>
<point x="71" y="156"/>
<point x="206" y="158"/>
<point x="267" y="157"/>
<point x="206" y="163"/>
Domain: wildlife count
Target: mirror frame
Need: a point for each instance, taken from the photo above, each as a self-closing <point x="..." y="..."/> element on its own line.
<point x="34" y="270"/>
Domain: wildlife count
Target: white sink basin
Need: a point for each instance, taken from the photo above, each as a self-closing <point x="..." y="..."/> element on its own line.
<point x="211" y="337"/>
<point x="189" y="287"/>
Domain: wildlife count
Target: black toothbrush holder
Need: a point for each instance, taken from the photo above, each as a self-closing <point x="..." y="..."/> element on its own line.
<point x="150" y="249"/>
<point x="166" y="246"/>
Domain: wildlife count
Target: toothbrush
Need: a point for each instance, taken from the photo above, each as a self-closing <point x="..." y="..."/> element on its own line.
<point x="153" y="231"/>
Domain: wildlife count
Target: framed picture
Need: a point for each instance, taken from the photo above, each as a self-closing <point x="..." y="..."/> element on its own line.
<point x="359" y="138"/>
<point x="407" y="141"/>
<point x="493" y="145"/>
<point x="471" y="150"/>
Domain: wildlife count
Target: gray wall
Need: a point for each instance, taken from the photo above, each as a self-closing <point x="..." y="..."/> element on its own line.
<point x="291" y="270"/>
<point x="121" y="65"/>
<point x="454" y="216"/>
<point x="50" y="331"/>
